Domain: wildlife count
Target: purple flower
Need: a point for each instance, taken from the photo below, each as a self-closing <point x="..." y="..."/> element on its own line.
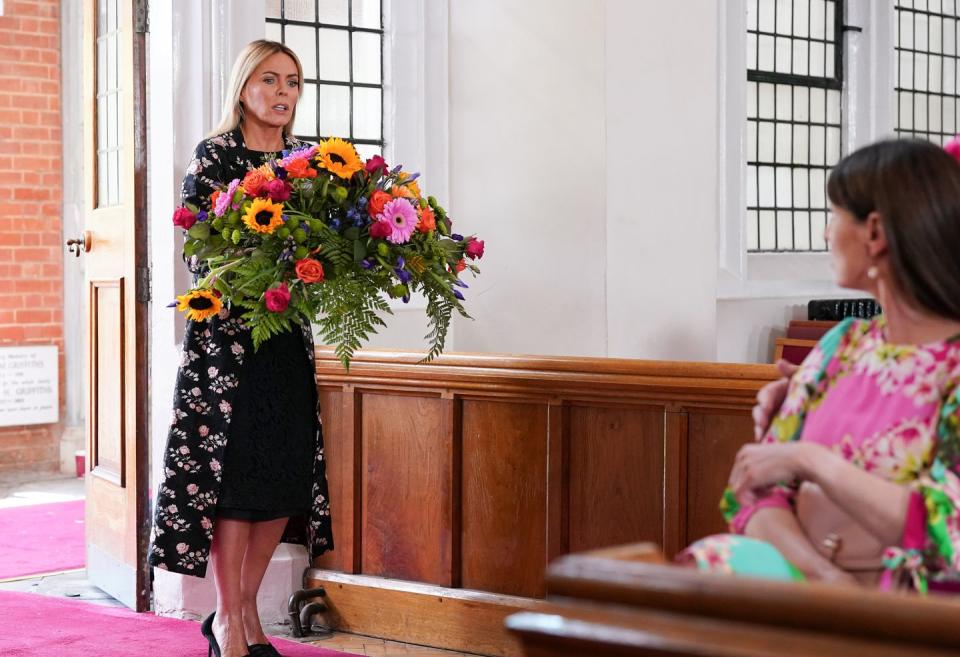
<point x="172" y="305"/>
<point x="396" y="169"/>
<point x="456" y="237"/>
<point x="412" y="178"/>
<point x="460" y="283"/>
<point x="366" y="264"/>
<point x="406" y="298"/>
<point x="401" y="263"/>
<point x="457" y="294"/>
<point x="403" y="275"/>
<point x="202" y="215"/>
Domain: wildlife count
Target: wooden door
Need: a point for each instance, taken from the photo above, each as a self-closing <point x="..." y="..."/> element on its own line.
<point x="117" y="519"/>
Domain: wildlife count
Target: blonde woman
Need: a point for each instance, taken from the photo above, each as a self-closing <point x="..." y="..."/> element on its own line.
<point x="245" y="449"/>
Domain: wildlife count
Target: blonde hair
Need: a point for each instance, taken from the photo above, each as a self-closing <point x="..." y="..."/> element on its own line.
<point x="247" y="62"/>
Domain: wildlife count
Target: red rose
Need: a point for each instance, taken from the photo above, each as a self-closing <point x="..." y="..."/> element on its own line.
<point x="377" y="201"/>
<point x="380" y="229"/>
<point x="309" y="270"/>
<point x="376" y="163"/>
<point x="278" y="298"/>
<point x="474" y="248"/>
<point x="278" y="190"/>
<point x="184" y="218"/>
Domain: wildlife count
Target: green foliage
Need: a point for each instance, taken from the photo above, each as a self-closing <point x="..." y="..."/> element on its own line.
<point x="348" y="313"/>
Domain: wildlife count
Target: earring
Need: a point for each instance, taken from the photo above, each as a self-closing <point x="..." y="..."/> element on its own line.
<point x="872" y="272"/>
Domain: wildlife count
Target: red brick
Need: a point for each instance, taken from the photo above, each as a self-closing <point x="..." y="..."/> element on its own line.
<point x="31" y="316"/>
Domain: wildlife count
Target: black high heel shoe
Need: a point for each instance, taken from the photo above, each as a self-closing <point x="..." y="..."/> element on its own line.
<point x="206" y="629"/>
<point x="263" y="650"/>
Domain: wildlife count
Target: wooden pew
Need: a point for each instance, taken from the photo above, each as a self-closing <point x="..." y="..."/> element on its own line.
<point x="453" y="484"/>
<point x="604" y="605"/>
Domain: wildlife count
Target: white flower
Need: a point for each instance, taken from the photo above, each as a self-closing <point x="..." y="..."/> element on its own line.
<point x="212" y="372"/>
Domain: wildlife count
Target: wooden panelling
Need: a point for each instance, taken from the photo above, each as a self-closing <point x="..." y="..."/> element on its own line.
<point x="475" y="470"/>
<point x="616" y="475"/>
<point x="406" y="526"/>
<point x="504" y="496"/>
<point x="108" y="403"/>
<point x="713" y="441"/>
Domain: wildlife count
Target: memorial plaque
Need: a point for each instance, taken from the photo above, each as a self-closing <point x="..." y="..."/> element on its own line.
<point x="29" y="385"/>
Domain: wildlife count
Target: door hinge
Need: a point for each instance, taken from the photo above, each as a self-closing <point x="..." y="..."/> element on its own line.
<point x="141" y="16"/>
<point x="143" y="285"/>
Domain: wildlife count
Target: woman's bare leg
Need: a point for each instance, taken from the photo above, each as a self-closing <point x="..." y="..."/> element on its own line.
<point x="230" y="543"/>
<point x="264" y="537"/>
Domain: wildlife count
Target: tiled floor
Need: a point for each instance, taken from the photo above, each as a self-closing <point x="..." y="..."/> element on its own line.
<point x="19" y="489"/>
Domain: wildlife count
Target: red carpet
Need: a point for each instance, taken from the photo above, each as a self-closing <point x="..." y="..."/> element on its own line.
<point x="41" y="538"/>
<point x="36" y="625"/>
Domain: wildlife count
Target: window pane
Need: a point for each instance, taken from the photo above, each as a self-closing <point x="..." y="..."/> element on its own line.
<point x="333" y="12"/>
<point x="367" y="108"/>
<point x="303" y="41"/>
<point x="273" y="8"/>
<point x="306" y="121"/>
<point x="273" y="33"/>
<point x="334" y="111"/>
<point x="334" y="55"/>
<point x="366" y="13"/>
<point x="366" y="57"/>
<point x="299" y="10"/>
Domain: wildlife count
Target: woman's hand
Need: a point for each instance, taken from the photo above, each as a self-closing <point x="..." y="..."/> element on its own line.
<point x="760" y="466"/>
<point x="771" y="397"/>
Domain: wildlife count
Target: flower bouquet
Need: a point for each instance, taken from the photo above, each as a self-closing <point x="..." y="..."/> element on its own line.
<point x="319" y="235"/>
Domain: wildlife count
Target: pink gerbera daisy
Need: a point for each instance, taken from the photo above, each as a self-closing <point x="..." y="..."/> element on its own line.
<point x="402" y="219"/>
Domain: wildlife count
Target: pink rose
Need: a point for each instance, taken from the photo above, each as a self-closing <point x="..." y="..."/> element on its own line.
<point x="184" y="218"/>
<point x="380" y="229"/>
<point x="376" y="163"/>
<point x="278" y="298"/>
<point x="474" y="248"/>
<point x="278" y="190"/>
<point x="192" y="489"/>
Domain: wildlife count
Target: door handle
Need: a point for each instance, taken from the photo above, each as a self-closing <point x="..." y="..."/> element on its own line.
<point x="75" y="245"/>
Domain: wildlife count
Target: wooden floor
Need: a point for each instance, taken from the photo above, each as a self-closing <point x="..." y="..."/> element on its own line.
<point x="363" y="645"/>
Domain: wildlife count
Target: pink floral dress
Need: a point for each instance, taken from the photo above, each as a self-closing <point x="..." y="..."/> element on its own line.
<point x="893" y="411"/>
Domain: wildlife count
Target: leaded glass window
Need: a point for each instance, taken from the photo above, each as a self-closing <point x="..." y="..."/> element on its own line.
<point x="794" y="122"/>
<point x="927" y="70"/>
<point x="340" y="45"/>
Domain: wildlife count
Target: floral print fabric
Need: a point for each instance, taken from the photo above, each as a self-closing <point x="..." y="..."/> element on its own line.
<point x="891" y="410"/>
<point x="206" y="386"/>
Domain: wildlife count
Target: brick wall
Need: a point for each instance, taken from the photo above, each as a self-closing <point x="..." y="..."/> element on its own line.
<point x="31" y="267"/>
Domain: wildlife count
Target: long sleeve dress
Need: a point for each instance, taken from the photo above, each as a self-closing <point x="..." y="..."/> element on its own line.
<point x="889" y="409"/>
<point x="245" y="439"/>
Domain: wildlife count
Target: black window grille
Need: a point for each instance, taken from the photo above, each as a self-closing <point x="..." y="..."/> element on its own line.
<point x="340" y="45"/>
<point x="794" y="122"/>
<point x="927" y="69"/>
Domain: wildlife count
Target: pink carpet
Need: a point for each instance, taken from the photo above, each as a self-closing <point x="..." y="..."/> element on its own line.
<point x="41" y="538"/>
<point x="36" y="625"/>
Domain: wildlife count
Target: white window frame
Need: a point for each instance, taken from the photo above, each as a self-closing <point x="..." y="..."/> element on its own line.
<point x="868" y="115"/>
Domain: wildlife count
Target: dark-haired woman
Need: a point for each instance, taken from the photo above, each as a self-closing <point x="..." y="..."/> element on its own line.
<point x="857" y="479"/>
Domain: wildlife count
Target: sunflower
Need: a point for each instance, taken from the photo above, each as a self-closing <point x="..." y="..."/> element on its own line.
<point x="263" y="216"/>
<point x="199" y="304"/>
<point x="339" y="157"/>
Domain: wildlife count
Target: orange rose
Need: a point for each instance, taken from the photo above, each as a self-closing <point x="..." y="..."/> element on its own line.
<point x="460" y="266"/>
<point x="255" y="182"/>
<point x="428" y="221"/>
<point x="376" y="203"/>
<point x="300" y="168"/>
<point x="401" y="191"/>
<point x="309" y="270"/>
<point x="213" y="199"/>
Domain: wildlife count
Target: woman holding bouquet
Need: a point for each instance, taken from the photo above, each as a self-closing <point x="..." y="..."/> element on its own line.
<point x="245" y="448"/>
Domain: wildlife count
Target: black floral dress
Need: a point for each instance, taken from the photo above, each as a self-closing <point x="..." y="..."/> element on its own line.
<point x="245" y="437"/>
